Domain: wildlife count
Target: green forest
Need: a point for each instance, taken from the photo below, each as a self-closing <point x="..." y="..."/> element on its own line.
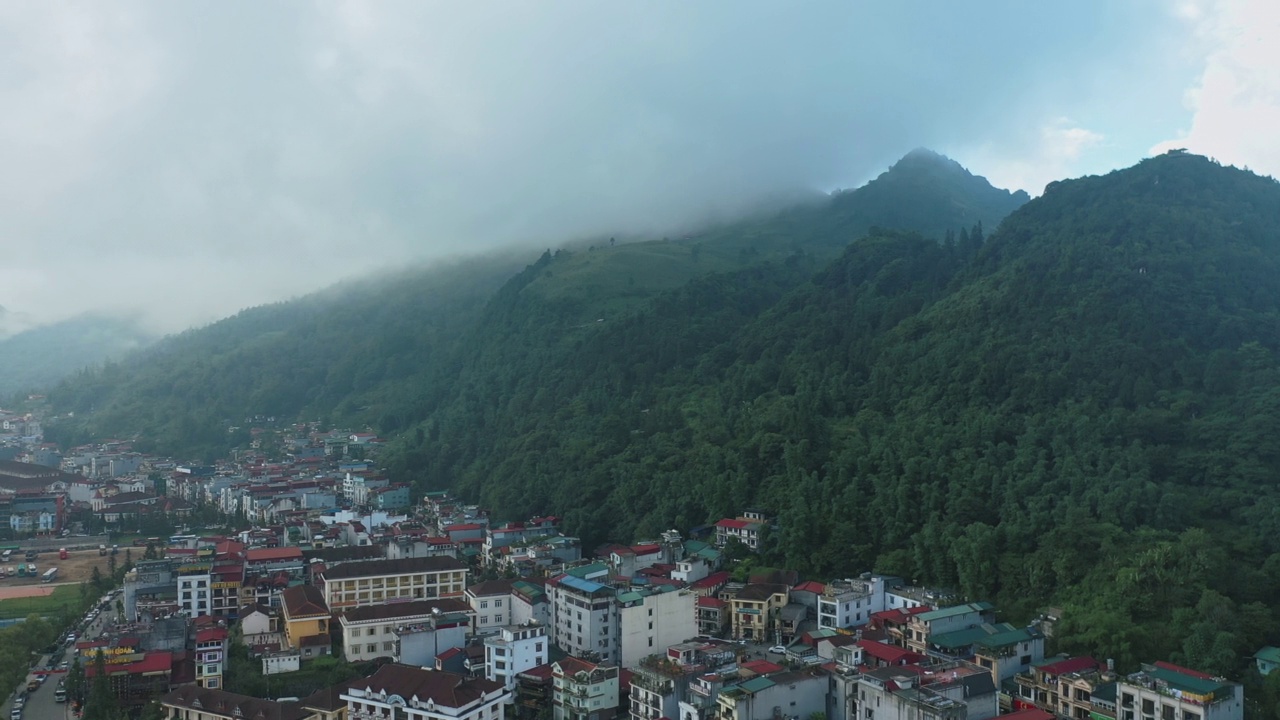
<point x="1075" y="405"/>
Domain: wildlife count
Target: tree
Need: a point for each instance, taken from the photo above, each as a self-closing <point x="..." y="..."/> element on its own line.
<point x="103" y="703"/>
<point x="96" y="579"/>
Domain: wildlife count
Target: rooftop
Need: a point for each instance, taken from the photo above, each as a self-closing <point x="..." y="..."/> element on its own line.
<point x="402" y="566"/>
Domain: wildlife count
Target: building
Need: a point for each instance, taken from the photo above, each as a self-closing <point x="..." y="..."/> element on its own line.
<point x="1267" y="660"/>
<point x="411" y="693"/>
<point x="744" y="530"/>
<point x="754" y="611"/>
<point x="650" y="621"/>
<point x="713" y="616"/>
<point x="196" y="703"/>
<point x="376" y="581"/>
<point x="893" y="693"/>
<point x="584" y="617"/>
<point x="373" y="631"/>
<point x="1004" y="650"/>
<point x="583" y="690"/>
<point x="513" y="650"/>
<point x="850" y="603"/>
<point x="492" y="602"/>
<point x="799" y="693"/>
<point x="306" y="621"/>
<point x="194" y="578"/>
<point x="211" y="655"/>
<point x="1164" y="690"/>
<point x="944" y="620"/>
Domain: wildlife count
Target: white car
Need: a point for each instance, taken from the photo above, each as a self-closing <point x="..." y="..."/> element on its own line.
<point x="779" y="649"/>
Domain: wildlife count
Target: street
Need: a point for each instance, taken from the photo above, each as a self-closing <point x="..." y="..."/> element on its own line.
<point x="40" y="704"/>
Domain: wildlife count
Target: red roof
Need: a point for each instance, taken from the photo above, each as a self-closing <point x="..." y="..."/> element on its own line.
<point x="897" y="615"/>
<point x="1185" y="671"/>
<point x="711" y="602"/>
<point x="542" y="672"/>
<point x="736" y="524"/>
<point x="812" y="586"/>
<point x="712" y="580"/>
<point x="269" y="554"/>
<point x="646" y="549"/>
<point x="152" y="662"/>
<point x="464" y="526"/>
<point x="760" y="667"/>
<point x="1070" y="665"/>
<point x="891" y="654"/>
<point x="211" y="635"/>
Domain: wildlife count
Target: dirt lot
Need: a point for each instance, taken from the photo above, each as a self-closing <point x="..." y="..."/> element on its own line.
<point x="76" y="568"/>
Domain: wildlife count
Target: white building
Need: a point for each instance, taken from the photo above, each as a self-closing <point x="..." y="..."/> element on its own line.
<point x="583" y="690"/>
<point x="373" y="582"/>
<point x="849" y="603"/>
<point x="649" y="623"/>
<point x="584" y="617"/>
<point x="1163" y="690"/>
<point x="285" y="661"/>
<point x="411" y="693"/>
<point x="514" y="650"/>
<point x="492" y="603"/>
<point x="374" y="631"/>
<point x="193" y="588"/>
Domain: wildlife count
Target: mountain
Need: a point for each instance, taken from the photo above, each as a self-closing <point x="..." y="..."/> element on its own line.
<point x="1078" y="409"/>
<point x="41" y="356"/>
<point x="387" y="351"/>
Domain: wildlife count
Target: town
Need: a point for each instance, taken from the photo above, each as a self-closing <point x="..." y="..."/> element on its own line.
<point x="323" y="564"/>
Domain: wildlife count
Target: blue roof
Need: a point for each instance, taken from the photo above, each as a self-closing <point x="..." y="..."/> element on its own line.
<point x="581" y="585"/>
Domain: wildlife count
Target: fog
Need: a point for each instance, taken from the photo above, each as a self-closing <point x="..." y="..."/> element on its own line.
<point x="181" y="161"/>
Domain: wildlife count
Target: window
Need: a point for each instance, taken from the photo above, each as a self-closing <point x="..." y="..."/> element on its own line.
<point x="388" y="646"/>
<point x="371" y="647"/>
<point x="1025" y="660"/>
<point x="355" y="632"/>
<point x="497" y="618"/>
<point x="484" y="604"/>
<point x="497" y="603"/>
<point x="484" y="619"/>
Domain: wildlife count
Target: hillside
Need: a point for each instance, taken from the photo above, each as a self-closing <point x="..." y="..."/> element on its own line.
<point x="42" y="356"/>
<point x="388" y="351"/>
<point x="1080" y="409"/>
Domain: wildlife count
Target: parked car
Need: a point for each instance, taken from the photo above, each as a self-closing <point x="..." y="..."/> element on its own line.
<point x="779" y="649"/>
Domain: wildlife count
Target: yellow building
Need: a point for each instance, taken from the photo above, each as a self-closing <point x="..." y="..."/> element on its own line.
<point x="374" y="582"/>
<point x="755" y="611"/>
<point x="306" y="620"/>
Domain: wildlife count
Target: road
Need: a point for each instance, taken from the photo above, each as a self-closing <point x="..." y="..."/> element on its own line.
<point x="40" y="704"/>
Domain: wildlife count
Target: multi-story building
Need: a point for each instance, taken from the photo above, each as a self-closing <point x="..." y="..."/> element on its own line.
<point x="802" y="693"/>
<point x="376" y="581"/>
<point x="945" y="620"/>
<point x="850" y="603"/>
<point x="194" y="579"/>
<point x="650" y="621"/>
<point x="744" y="530"/>
<point x="713" y="616"/>
<point x="371" y="631"/>
<point x="225" y="580"/>
<point x="891" y="693"/>
<point x="529" y="602"/>
<point x="197" y="703"/>
<point x="1003" y="649"/>
<point x="583" y="690"/>
<point x="658" y="686"/>
<point x="492" y="603"/>
<point x="210" y="655"/>
<point x="754" y="610"/>
<point x="584" y="617"/>
<point x="306" y="621"/>
<point x="412" y="693"/>
<point x="1168" y="692"/>
<point x="513" y="650"/>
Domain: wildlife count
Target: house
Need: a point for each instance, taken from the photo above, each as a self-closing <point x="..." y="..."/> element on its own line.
<point x="1267" y="659"/>
<point x="259" y="625"/>
<point x="372" y="582"/>
<point x="851" y="603"/>
<point x="529" y="602"/>
<point x="210" y="654"/>
<point x="754" y="609"/>
<point x="491" y="602"/>
<point x="899" y="693"/>
<point x="1004" y="650"/>
<point x="373" y="631"/>
<point x="583" y="690"/>
<point x="513" y="650"/>
<point x="306" y="621"/>
<point x="197" y="703"/>
<point x="713" y="616"/>
<point x="744" y="530"/>
<point x="1166" y="690"/>
<point x="921" y="627"/>
<point x="411" y="692"/>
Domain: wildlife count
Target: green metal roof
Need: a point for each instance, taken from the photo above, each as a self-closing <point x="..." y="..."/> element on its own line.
<point x="587" y="571"/>
<point x="755" y="685"/>
<point x="1268" y="654"/>
<point x="1188" y="683"/>
<point x="957" y="638"/>
<point x="1006" y="635"/>
<point x="1106" y="693"/>
<point x="956" y="611"/>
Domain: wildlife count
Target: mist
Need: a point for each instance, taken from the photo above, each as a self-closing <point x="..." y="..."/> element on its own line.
<point x="179" y="162"/>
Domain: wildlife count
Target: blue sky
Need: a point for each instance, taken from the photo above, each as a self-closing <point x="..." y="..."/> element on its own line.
<point x="186" y="160"/>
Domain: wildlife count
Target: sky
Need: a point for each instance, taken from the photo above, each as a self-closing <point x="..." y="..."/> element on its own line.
<point x="177" y="162"/>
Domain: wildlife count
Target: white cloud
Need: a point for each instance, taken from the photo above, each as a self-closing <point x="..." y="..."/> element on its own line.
<point x="1051" y="151"/>
<point x="1236" y="100"/>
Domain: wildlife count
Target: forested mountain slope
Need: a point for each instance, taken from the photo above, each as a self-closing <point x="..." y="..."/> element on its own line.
<point x="1080" y="409"/>
<point x="386" y="352"/>
<point x="38" y="358"/>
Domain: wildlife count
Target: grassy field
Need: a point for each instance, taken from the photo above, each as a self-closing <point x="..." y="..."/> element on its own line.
<point x="64" y="597"/>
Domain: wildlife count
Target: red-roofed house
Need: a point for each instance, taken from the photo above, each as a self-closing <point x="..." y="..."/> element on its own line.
<point x="711" y="584"/>
<point x="758" y="667"/>
<point x="211" y="655"/>
<point x="743" y="530"/>
<point x="584" y="690"/>
<point x="878" y="654"/>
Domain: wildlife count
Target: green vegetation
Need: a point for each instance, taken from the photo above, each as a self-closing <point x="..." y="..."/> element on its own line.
<point x="1078" y="410"/>
<point x="64" y="599"/>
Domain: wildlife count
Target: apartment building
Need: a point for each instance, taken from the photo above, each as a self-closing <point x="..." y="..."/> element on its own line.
<point x="1168" y="692"/>
<point x="377" y="581"/>
<point x="584" y="690"/>
<point x="493" y="605"/>
<point x="650" y="621"/>
<point x="584" y="617"/>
